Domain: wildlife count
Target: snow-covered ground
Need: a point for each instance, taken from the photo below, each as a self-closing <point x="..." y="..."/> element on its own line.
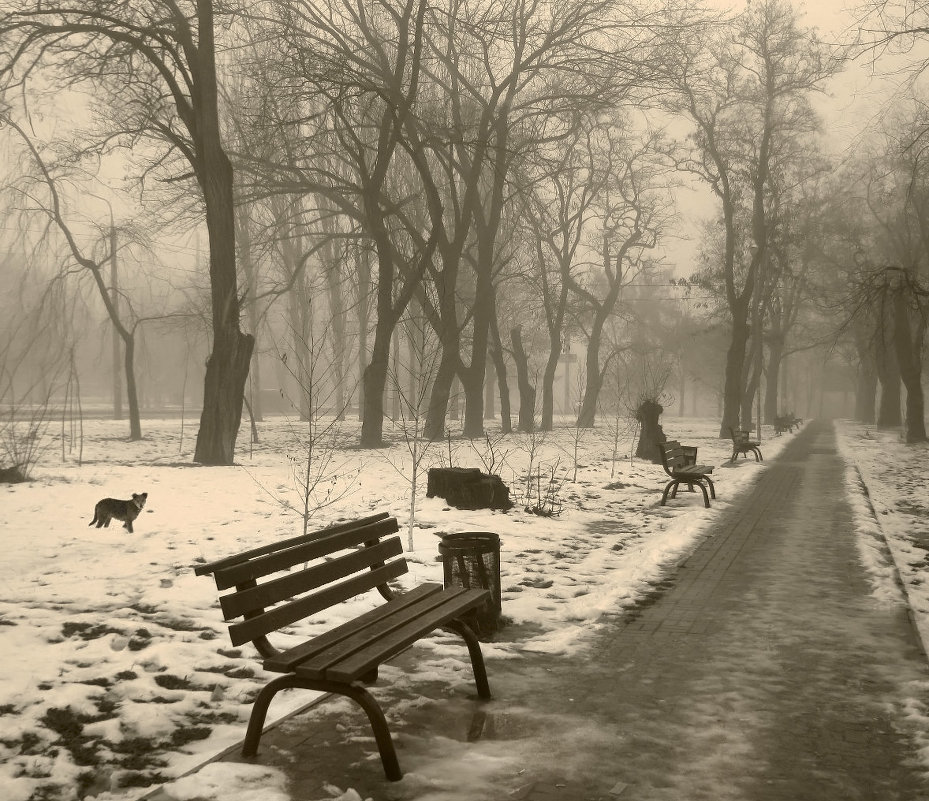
<point x="116" y="671"/>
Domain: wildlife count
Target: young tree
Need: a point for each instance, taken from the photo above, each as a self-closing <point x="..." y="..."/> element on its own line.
<point x="153" y="63"/>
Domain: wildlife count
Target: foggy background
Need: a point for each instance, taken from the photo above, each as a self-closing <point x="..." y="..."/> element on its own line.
<point x="461" y="214"/>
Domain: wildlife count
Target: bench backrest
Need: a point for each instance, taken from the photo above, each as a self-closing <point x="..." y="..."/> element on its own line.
<point x="674" y="455"/>
<point x="739" y="435"/>
<point x="332" y="566"/>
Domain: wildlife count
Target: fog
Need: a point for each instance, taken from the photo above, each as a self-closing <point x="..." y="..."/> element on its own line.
<point x="463" y="222"/>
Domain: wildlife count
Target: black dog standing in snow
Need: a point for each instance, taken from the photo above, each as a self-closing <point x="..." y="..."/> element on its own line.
<point x="127" y="511"/>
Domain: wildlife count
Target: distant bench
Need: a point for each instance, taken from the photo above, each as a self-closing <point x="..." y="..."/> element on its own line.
<point x="680" y="462"/>
<point x="334" y="565"/>
<point x="742" y="443"/>
<point x="786" y="422"/>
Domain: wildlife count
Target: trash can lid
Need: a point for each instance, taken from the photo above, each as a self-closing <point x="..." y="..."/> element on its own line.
<point x="469" y="540"/>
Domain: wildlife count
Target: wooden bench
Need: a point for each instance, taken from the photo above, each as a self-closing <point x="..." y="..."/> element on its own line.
<point x="318" y="571"/>
<point x="742" y="443"/>
<point x="680" y="462"/>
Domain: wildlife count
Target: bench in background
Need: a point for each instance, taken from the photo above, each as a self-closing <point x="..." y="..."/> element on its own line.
<point x="742" y="443"/>
<point x="680" y="462"/>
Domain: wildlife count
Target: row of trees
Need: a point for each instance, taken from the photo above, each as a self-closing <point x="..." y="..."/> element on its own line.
<point x="503" y="171"/>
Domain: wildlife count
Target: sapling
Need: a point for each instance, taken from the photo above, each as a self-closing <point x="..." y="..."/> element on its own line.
<point x="30" y="370"/>
<point x="320" y="478"/>
<point x="411" y="380"/>
<point x="492" y="456"/>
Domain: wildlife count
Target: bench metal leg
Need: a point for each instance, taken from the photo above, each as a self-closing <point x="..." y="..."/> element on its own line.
<point x="385" y="745"/>
<point x="667" y="489"/>
<point x="256" y="720"/>
<point x="359" y="695"/>
<point x="706" y="499"/>
<point x="672" y="493"/>
<point x="477" y="657"/>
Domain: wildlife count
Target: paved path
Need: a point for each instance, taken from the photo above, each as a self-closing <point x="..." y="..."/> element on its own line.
<point x="762" y="670"/>
<point x="766" y="671"/>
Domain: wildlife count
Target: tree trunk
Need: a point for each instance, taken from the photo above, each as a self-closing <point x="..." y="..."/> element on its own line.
<point x="363" y="268"/>
<point x="866" y="389"/>
<point x="395" y="396"/>
<point x="450" y="361"/>
<point x="773" y="383"/>
<point x="548" y="389"/>
<point x="227" y="366"/>
<point x="472" y="384"/>
<point x="496" y="354"/>
<point x="527" y="391"/>
<point x="594" y="377"/>
<point x="915" y="414"/>
<point x="888" y="373"/>
<point x="223" y="392"/>
<point x="300" y="338"/>
<point x="373" y="381"/>
<point x="132" y="395"/>
<point x="437" y="413"/>
<point x="587" y="414"/>
<point x="753" y="369"/>
<point x="908" y="350"/>
<point x="244" y="239"/>
<point x="472" y="379"/>
<point x="732" y="390"/>
<point x="651" y="433"/>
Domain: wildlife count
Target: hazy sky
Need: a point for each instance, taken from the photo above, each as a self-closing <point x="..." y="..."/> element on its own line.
<point x="855" y="101"/>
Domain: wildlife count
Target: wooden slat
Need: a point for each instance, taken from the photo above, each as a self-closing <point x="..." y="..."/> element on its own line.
<point x="376" y="630"/>
<point x="286" y="661"/>
<point x="228" y="561"/>
<point x="287" y="586"/>
<point x="308" y="605"/>
<point x="695" y="470"/>
<point x="384" y="647"/>
<point x="305" y="552"/>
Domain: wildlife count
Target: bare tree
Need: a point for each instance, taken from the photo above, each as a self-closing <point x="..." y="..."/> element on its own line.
<point x="559" y="211"/>
<point x="154" y="64"/>
<point x="633" y="214"/>
<point x="53" y="208"/>
<point x="745" y="88"/>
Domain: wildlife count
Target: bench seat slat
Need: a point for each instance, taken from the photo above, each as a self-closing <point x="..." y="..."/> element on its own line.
<point x="286" y="614"/>
<point x="244" y="556"/>
<point x="305" y="552"/>
<point x="311" y="578"/>
<point x="384" y="646"/>
<point x="287" y="660"/>
<point x="424" y="610"/>
<point x="695" y="469"/>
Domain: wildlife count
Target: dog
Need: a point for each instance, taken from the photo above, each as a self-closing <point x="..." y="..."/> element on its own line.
<point x="127" y="511"/>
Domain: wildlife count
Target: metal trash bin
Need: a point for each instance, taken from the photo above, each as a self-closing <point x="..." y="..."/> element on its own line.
<point x="471" y="559"/>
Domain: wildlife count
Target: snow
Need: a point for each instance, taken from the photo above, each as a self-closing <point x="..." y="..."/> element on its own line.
<point x="117" y="673"/>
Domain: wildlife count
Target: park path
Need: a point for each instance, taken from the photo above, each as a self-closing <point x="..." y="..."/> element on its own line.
<point x="761" y="669"/>
<point x="765" y="671"/>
